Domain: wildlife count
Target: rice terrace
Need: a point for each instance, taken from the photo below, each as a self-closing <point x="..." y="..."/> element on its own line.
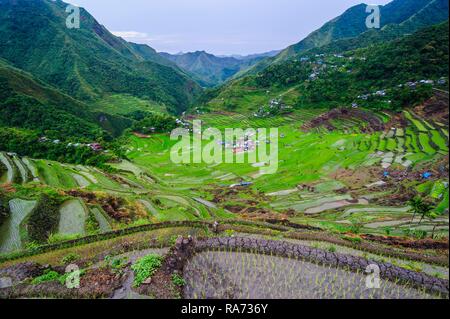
<point x="337" y="188"/>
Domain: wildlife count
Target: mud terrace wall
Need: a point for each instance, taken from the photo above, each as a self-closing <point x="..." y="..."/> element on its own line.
<point x="185" y="248"/>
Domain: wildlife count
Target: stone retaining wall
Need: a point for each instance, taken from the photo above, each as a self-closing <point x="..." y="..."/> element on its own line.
<point x="187" y="247"/>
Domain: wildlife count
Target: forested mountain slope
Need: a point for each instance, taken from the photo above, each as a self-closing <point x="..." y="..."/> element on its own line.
<point x="330" y="80"/>
<point x="211" y="70"/>
<point x="349" y="30"/>
<point x="89" y="62"/>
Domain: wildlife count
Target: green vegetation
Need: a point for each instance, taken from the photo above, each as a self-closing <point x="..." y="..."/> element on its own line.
<point x="4" y="211"/>
<point x="44" y="218"/>
<point x="145" y="268"/>
<point x="70" y="258"/>
<point x="152" y="122"/>
<point x="210" y="70"/>
<point x="178" y="281"/>
<point x="335" y="80"/>
<point x="342" y="184"/>
<point x="97" y="62"/>
<point x="49" y="275"/>
<point x="422" y="208"/>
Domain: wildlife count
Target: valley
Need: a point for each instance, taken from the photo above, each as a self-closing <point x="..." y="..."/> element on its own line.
<point x="92" y="204"/>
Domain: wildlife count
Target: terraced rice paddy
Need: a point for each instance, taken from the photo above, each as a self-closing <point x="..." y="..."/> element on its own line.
<point x="234" y="275"/>
<point x="31" y="168"/>
<point x="10" y="232"/>
<point x="10" y="173"/>
<point x="72" y="218"/>
<point x="22" y="169"/>
<point x="103" y="222"/>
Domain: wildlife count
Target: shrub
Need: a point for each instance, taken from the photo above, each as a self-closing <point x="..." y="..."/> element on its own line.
<point x="70" y="258"/>
<point x="117" y="264"/>
<point x="44" y="218"/>
<point x="145" y="268"/>
<point x="332" y="249"/>
<point x="178" y="281"/>
<point x="355" y="240"/>
<point x="58" y="238"/>
<point x="49" y="275"/>
<point x="4" y="212"/>
<point x="388" y="231"/>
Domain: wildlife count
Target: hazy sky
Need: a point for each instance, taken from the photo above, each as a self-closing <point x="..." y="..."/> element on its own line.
<point x="216" y="26"/>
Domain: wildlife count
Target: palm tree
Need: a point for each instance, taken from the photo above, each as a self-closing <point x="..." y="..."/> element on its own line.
<point x="422" y="208"/>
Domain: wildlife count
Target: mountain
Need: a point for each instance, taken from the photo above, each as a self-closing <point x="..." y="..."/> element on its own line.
<point x="411" y="15"/>
<point x="252" y="56"/>
<point x="87" y="63"/>
<point x="353" y="23"/>
<point x="331" y="80"/>
<point x="28" y="103"/>
<point x="211" y="70"/>
<point x="433" y="13"/>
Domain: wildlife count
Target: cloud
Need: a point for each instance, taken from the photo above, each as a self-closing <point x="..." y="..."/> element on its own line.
<point x="131" y="34"/>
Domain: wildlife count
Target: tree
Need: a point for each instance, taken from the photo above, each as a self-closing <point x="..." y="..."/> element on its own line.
<point x="421" y="207"/>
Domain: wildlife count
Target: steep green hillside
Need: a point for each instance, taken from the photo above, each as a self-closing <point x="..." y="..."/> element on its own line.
<point x="433" y="13"/>
<point x="31" y="104"/>
<point x="209" y="69"/>
<point x="349" y="30"/>
<point x="86" y="63"/>
<point x="329" y="80"/>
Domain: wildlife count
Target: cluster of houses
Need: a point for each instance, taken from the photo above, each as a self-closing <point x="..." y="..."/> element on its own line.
<point x="97" y="147"/>
<point x="182" y="123"/>
<point x="320" y="64"/>
<point x="365" y="97"/>
<point x="411" y="85"/>
<point x="274" y="107"/>
<point x="248" y="143"/>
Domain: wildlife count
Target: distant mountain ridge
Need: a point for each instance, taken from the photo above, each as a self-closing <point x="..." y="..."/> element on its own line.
<point x="434" y="12"/>
<point x="89" y="62"/>
<point x="211" y="70"/>
<point x="410" y="14"/>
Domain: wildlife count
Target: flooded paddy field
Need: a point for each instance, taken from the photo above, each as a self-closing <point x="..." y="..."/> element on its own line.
<point x="231" y="275"/>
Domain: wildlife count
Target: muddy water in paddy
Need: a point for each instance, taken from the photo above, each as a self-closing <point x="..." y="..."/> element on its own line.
<point x="10" y="239"/>
<point x="233" y="275"/>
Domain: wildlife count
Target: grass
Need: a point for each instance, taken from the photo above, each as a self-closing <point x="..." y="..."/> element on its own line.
<point x="178" y="281"/>
<point x="424" y="140"/>
<point x="418" y="124"/>
<point x="49" y="275"/>
<point x="145" y="267"/>
<point x="122" y="104"/>
<point x="439" y="141"/>
<point x="304" y="158"/>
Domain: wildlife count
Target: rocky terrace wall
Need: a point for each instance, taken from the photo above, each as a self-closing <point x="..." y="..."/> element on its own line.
<point x="185" y="248"/>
